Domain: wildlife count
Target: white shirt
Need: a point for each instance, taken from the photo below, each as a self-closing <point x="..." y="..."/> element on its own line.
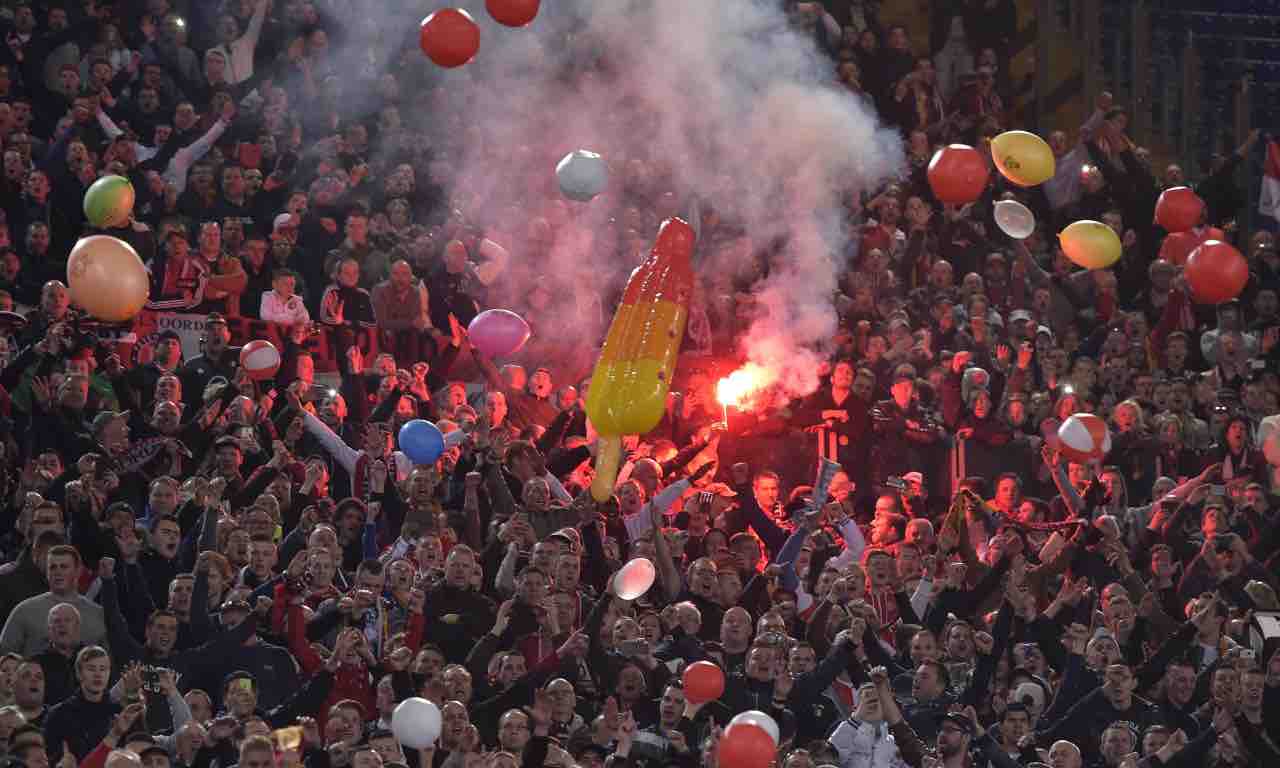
<point x="865" y="745"/>
<point x="238" y="54"/>
<point x="290" y="311"/>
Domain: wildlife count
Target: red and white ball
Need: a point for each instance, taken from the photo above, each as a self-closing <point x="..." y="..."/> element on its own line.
<point x="1084" y="438"/>
<point x="260" y="359"/>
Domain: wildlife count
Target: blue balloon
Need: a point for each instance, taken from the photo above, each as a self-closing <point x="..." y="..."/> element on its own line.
<point x="421" y="441"/>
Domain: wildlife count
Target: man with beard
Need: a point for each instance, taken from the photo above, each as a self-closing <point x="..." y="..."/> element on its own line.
<point x="217" y="359"/>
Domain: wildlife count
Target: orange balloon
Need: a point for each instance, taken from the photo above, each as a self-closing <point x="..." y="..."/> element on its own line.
<point x="1216" y="272"/>
<point x="746" y="746"/>
<point x="703" y="681"/>
<point x="513" y="13"/>
<point x="1179" y="209"/>
<point x="449" y="37"/>
<point x="958" y="174"/>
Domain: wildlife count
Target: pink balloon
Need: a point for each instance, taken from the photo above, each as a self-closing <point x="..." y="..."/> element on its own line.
<point x="498" y="332"/>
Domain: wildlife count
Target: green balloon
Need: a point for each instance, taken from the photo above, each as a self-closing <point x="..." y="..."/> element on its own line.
<point x="109" y="201"/>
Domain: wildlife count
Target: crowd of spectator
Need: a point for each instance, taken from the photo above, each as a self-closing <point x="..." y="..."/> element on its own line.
<point x="201" y="570"/>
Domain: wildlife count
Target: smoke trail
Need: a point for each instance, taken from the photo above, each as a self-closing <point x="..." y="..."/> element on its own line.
<point x="719" y="99"/>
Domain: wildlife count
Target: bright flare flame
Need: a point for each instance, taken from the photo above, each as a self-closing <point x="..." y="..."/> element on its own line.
<point x="740" y="386"/>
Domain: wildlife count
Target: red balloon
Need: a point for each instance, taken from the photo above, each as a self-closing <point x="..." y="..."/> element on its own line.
<point x="957" y="174"/>
<point x="1216" y="272"/>
<point x="1179" y="209"/>
<point x="746" y="746"/>
<point x="703" y="681"/>
<point x="449" y="37"/>
<point x="513" y="13"/>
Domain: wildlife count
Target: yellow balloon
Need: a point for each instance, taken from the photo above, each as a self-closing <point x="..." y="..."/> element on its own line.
<point x="106" y="278"/>
<point x="1090" y="244"/>
<point x="1023" y="158"/>
<point x="608" y="456"/>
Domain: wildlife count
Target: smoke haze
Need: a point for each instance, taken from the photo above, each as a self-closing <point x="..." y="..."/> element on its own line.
<point x="718" y="100"/>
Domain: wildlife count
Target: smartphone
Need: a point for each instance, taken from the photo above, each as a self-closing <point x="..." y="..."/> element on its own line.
<point x="1218" y="490"/>
<point x="244" y="684"/>
<point x="632" y="648"/>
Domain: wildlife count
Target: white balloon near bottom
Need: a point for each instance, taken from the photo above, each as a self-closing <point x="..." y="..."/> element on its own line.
<point x="416" y="723"/>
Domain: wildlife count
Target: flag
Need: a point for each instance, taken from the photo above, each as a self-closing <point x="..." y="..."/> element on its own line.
<point x="1269" y="200"/>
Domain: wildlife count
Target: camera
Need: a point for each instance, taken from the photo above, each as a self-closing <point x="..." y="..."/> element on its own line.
<point x="896" y="483"/>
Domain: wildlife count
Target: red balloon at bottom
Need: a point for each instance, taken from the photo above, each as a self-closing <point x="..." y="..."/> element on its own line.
<point x="1216" y="272"/>
<point x="449" y="37"/>
<point x="746" y="746"/>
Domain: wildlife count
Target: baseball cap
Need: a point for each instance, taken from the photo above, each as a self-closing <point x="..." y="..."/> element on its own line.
<point x="914" y="477"/>
<point x="1019" y="315"/>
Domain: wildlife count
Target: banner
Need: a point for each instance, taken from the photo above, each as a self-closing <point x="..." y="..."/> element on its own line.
<point x="190" y="329"/>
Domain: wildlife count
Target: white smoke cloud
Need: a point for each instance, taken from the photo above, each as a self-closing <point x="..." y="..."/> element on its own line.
<point x="721" y="100"/>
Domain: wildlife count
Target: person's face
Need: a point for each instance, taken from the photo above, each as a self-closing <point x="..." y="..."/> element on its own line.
<point x="38" y="236"/>
<point x="1116" y="743"/>
<point x="28" y="687"/>
<point x="166" y="535"/>
<point x="960" y="642"/>
<point x="1064" y="754"/>
<point x="926" y="685"/>
<point x="1118" y="684"/>
<point x="1226" y="686"/>
<point x="1180" y="683"/>
<point x="458" y="569"/>
<point x="924" y="645"/>
<point x="766" y="491"/>
<point x="540" y="384"/>
<point x="64" y="628"/>
<point x="513" y="732"/>
<point x="94" y="674"/>
<point x="162" y="633"/>
<point x="982" y="406"/>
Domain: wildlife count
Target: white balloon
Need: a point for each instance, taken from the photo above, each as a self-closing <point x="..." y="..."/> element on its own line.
<point x="634" y="579"/>
<point x="416" y="723"/>
<point x="760" y="720"/>
<point x="582" y="175"/>
<point x="1014" y="219"/>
